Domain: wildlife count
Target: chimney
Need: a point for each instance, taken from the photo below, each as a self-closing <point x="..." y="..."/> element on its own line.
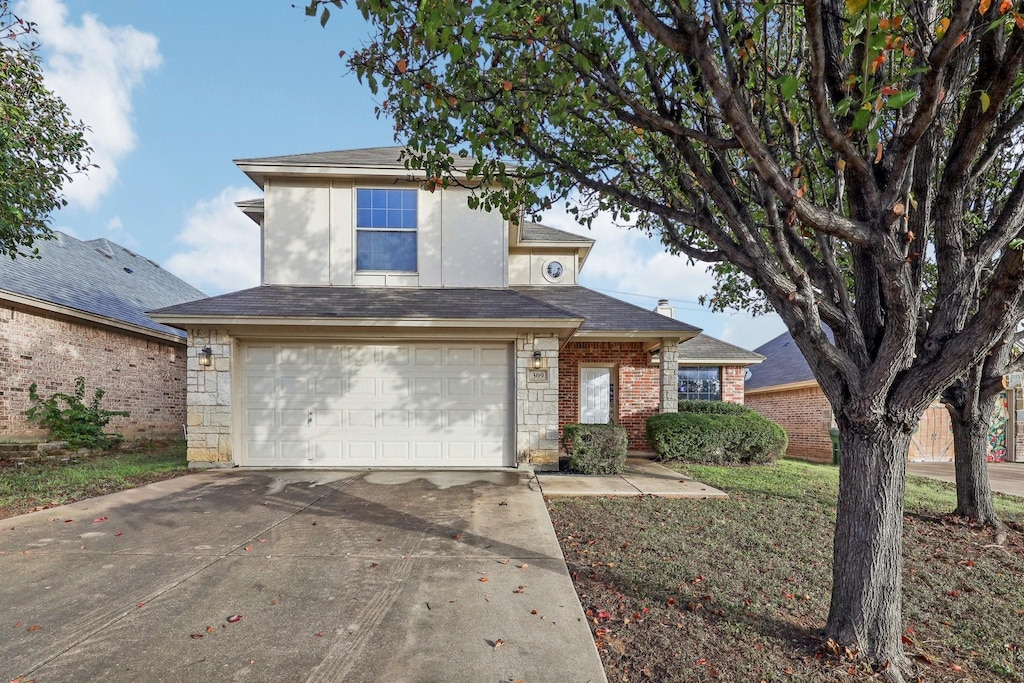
<point x="664" y="309"/>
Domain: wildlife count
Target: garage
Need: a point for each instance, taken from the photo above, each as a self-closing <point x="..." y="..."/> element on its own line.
<point x="376" y="405"/>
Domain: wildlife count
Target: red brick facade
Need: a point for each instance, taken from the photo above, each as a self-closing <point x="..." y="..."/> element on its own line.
<point x="636" y="381"/>
<point x="143" y="376"/>
<point x="806" y="416"/>
<point x="636" y="384"/>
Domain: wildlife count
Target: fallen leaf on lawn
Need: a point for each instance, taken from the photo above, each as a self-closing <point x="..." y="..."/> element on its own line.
<point x="484" y="579"/>
<point x="99" y="519"/>
<point x="671" y="601"/>
<point x="197" y="636"/>
<point x="956" y="667"/>
<point x="234" y="618"/>
<point x="906" y="640"/>
<point x="34" y="627"/>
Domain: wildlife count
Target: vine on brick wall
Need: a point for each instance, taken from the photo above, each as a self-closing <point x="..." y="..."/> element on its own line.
<point x="69" y="418"/>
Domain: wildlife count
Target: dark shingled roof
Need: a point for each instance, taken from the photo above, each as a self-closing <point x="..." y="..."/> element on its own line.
<point x="368" y="157"/>
<point x="97" y="277"/>
<point x="370" y="302"/>
<point x="783" y="363"/>
<point x="604" y="313"/>
<point x="535" y="232"/>
<point x="704" y="347"/>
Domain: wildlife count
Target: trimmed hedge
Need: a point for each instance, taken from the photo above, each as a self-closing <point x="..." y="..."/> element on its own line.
<point x="595" y="448"/>
<point x="714" y="407"/>
<point x="715" y="438"/>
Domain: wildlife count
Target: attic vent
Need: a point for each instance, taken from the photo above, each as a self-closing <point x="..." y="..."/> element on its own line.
<point x="105" y="248"/>
<point x="129" y="270"/>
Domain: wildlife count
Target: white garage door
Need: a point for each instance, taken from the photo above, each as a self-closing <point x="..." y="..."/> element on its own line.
<point x="359" y="405"/>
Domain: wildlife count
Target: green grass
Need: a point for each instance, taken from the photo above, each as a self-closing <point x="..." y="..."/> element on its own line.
<point x="738" y="590"/>
<point x="33" y="485"/>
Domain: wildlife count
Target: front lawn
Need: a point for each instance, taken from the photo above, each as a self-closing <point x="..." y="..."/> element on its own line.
<point x="738" y="590"/>
<point x="24" y="488"/>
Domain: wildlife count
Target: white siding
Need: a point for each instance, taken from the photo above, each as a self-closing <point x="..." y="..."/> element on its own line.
<point x="296" y="233"/>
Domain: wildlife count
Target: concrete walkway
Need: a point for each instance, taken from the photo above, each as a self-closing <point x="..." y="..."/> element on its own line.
<point x="642" y="477"/>
<point x="1004" y="477"/>
<point x="354" y="576"/>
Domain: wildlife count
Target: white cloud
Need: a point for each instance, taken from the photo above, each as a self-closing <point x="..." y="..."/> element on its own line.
<point x="220" y="246"/>
<point x="116" y="232"/>
<point x="94" y="68"/>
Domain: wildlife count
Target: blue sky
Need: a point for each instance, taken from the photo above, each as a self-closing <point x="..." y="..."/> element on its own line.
<point x="173" y="91"/>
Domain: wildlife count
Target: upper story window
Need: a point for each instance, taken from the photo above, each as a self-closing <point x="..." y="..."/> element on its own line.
<point x="700" y="383"/>
<point x="386" y="230"/>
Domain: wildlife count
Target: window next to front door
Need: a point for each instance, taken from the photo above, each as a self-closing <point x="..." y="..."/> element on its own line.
<point x="386" y="230"/>
<point x="701" y="383"/>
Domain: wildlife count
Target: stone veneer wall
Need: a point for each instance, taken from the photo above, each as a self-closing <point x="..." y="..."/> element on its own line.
<point x="209" y="399"/>
<point x="805" y="414"/>
<point x="537" y="403"/>
<point x="637" y="385"/>
<point x="142" y="375"/>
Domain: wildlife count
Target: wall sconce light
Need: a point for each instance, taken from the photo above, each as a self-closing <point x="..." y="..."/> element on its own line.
<point x="538" y="360"/>
<point x="206" y="357"/>
<point x="656" y="357"/>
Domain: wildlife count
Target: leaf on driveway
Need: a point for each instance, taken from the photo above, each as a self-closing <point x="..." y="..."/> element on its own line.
<point x="197" y="636"/>
<point x="483" y="579"/>
<point x="99" y="519"/>
<point x="34" y="627"/>
<point x="234" y="618"/>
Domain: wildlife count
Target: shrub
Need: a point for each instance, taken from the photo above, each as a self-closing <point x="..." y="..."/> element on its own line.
<point x="710" y="438"/>
<point x="714" y="407"/>
<point x="76" y="422"/>
<point x="595" y="448"/>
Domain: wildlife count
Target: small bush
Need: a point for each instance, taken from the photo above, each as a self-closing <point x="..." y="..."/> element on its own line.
<point x="713" y="407"/>
<point x="76" y="422"/>
<point x="595" y="448"/>
<point x="713" y="438"/>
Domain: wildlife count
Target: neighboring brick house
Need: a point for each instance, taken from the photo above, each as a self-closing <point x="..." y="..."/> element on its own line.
<point x="79" y="310"/>
<point x="784" y="390"/>
<point x="396" y="326"/>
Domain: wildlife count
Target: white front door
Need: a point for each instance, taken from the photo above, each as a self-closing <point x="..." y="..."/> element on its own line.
<point x="595" y="395"/>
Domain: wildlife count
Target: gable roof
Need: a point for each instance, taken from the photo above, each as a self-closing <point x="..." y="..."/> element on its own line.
<point x="535" y="232"/>
<point x="370" y="303"/>
<point x="603" y="313"/>
<point x="706" y="348"/>
<point x="367" y="157"/>
<point x="96" y="277"/>
<point x="783" y="363"/>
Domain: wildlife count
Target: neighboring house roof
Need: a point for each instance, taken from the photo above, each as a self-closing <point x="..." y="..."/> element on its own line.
<point x="366" y="303"/>
<point x="96" y="277"/>
<point x="705" y="348"/>
<point x="535" y="232"/>
<point x="604" y="313"/>
<point x="783" y="364"/>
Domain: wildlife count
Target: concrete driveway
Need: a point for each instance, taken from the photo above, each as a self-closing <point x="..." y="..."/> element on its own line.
<point x="366" y="576"/>
<point x="1004" y="477"/>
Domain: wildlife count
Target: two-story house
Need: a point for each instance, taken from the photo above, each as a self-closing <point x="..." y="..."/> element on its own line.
<point x="398" y="327"/>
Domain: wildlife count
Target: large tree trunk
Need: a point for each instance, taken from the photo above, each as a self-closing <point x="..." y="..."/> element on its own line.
<point x="866" y="609"/>
<point x="970" y="447"/>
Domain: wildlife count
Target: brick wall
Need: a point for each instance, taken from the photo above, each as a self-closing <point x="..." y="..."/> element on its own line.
<point x="637" y="384"/>
<point x="806" y="416"/>
<point x="143" y="376"/>
<point x="732" y="383"/>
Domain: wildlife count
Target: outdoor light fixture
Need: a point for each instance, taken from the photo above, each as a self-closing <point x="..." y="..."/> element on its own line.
<point x="538" y="359"/>
<point x="206" y="357"/>
<point x="655" y="356"/>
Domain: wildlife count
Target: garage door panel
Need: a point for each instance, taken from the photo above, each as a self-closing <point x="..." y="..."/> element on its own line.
<point x="293" y="355"/>
<point x="377" y="405"/>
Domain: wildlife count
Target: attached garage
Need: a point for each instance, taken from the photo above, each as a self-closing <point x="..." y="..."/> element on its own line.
<point x="376" y="405"/>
